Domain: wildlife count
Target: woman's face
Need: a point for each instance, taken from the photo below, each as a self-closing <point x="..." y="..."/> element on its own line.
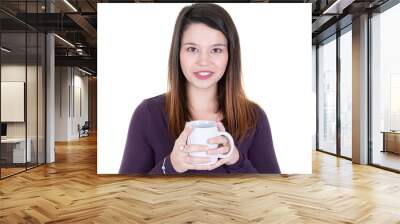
<point x="203" y="55"/>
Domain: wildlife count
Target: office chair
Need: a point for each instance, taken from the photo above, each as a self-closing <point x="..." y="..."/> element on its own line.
<point x="84" y="130"/>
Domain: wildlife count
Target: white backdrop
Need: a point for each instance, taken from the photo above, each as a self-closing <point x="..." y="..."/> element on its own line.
<point x="133" y="48"/>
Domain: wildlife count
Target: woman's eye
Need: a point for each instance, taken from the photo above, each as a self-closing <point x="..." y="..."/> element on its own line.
<point x="191" y="49"/>
<point x="216" y="50"/>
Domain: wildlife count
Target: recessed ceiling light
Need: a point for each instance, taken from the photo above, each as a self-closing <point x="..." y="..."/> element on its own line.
<point x="70" y="5"/>
<point x="338" y="6"/>
<point x="86" y="72"/>
<point x="5" y="50"/>
<point x="64" y="40"/>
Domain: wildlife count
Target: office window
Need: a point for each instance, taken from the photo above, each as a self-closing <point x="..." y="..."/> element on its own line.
<point x="327" y="96"/>
<point x="385" y="90"/>
<point x="346" y="93"/>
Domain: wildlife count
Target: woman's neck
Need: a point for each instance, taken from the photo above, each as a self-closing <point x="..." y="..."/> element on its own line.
<point x="202" y="101"/>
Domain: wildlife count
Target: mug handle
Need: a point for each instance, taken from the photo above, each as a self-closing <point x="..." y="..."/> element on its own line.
<point x="231" y="143"/>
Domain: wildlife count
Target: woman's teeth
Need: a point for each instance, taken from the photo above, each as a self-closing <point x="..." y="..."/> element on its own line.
<point x="203" y="75"/>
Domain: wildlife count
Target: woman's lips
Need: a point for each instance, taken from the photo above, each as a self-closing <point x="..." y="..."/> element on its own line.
<point x="203" y="75"/>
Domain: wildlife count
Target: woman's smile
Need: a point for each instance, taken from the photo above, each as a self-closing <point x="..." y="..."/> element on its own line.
<point x="203" y="74"/>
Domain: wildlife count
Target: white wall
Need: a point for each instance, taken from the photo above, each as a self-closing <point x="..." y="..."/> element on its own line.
<point x="80" y="84"/>
<point x="61" y="83"/>
<point x="16" y="73"/>
<point x="68" y="81"/>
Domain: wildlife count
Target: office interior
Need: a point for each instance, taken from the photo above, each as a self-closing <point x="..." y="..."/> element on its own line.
<point x="47" y="81"/>
<point x="49" y="98"/>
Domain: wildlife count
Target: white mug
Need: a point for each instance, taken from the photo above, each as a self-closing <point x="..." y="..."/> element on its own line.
<point x="202" y="130"/>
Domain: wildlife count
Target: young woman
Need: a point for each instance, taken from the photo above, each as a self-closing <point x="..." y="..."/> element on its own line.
<point x="204" y="83"/>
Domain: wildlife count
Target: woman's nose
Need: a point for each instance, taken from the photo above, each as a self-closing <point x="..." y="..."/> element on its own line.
<point x="204" y="58"/>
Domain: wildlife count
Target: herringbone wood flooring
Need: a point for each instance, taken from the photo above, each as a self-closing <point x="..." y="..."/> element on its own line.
<point x="70" y="191"/>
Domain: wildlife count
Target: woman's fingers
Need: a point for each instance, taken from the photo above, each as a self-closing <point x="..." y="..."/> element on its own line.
<point x="188" y="162"/>
<point x="197" y="160"/>
<point x="218" y="151"/>
<point x="218" y="164"/>
<point x="218" y="140"/>
<point x="196" y="148"/>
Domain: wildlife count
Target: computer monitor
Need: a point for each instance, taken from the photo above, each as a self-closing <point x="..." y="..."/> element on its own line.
<point x="3" y="129"/>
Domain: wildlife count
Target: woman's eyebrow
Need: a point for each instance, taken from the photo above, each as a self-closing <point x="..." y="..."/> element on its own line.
<point x="189" y="43"/>
<point x="219" y="45"/>
<point x="214" y="45"/>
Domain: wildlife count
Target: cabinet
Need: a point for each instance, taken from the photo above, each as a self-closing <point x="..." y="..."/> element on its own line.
<point x="13" y="150"/>
<point x="391" y="141"/>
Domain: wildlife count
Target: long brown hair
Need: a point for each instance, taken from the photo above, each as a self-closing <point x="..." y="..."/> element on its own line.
<point x="239" y="112"/>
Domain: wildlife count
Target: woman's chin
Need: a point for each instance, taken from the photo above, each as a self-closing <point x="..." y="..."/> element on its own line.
<point x="203" y="86"/>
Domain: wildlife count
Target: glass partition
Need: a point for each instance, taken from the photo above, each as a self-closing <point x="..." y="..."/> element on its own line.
<point x="41" y="85"/>
<point x="13" y="109"/>
<point x="22" y="77"/>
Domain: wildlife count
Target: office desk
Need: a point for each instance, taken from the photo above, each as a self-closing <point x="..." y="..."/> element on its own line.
<point x="15" y="148"/>
<point x="391" y="141"/>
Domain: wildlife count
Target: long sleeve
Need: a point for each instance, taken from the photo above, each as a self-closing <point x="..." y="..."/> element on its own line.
<point x="139" y="156"/>
<point x="261" y="156"/>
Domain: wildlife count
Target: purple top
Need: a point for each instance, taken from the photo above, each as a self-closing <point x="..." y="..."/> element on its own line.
<point x="148" y="143"/>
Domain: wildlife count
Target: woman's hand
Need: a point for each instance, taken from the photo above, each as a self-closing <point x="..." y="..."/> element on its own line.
<point x="181" y="160"/>
<point x="223" y="149"/>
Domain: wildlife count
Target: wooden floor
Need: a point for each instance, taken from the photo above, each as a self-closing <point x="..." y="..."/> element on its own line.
<point x="70" y="191"/>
